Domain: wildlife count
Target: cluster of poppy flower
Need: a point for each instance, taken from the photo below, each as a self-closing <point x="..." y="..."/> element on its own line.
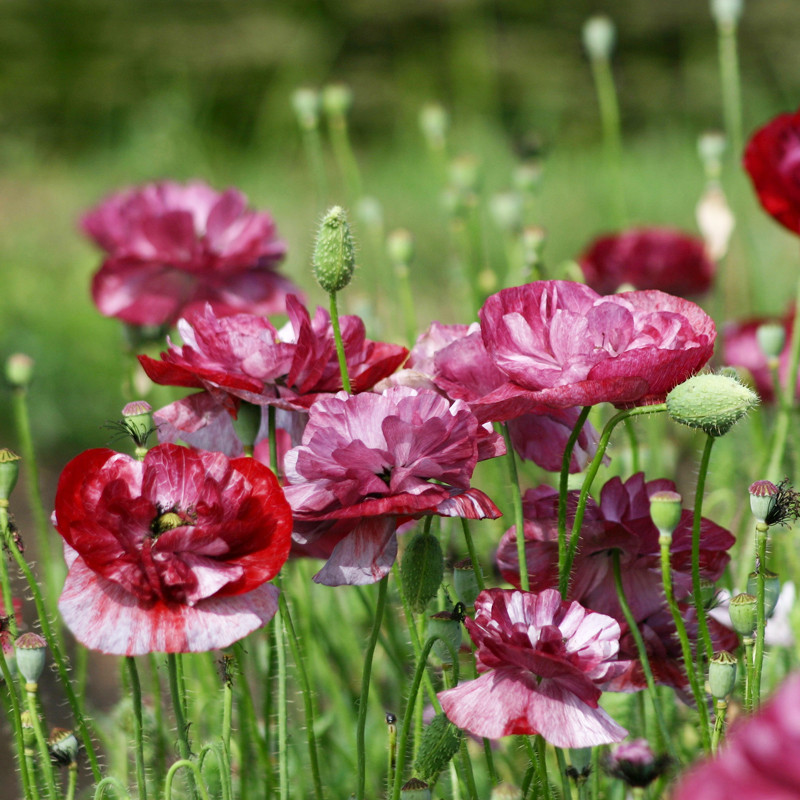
<point x="174" y="553"/>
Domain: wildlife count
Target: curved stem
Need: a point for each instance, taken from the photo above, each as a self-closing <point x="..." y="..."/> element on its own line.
<point x="195" y="778"/>
<point x="707" y="650"/>
<point x="102" y="786"/>
<point x="365" y="683"/>
<point x="516" y="500"/>
<point x="136" y="696"/>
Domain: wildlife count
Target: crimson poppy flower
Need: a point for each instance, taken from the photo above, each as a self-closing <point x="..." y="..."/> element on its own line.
<point x="173" y="247"/>
<point x="648" y="258"/>
<point x="544" y="662"/>
<point x="560" y="344"/>
<point x="772" y="159"/>
<point x="171" y="554"/>
<point x="760" y="758"/>
<point x="369" y="459"/>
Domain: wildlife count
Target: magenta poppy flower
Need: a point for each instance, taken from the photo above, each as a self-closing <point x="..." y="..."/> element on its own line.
<point x="741" y="349"/>
<point x="560" y="344"/>
<point x="544" y="662"/>
<point x="371" y="459"/>
<point x="171" y="248"/>
<point x="648" y="258"/>
<point x="760" y="757"/>
<point x="171" y="554"/>
<point x="772" y="159"/>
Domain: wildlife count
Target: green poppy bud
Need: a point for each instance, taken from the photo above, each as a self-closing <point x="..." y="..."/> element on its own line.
<point x="772" y="589"/>
<point x="63" y="746"/>
<point x="771" y="338"/>
<point x="434" y="122"/>
<point x="30" y="649"/>
<point x="666" y="511"/>
<point x="334" y="257"/>
<point x="465" y="582"/>
<point x="744" y="615"/>
<point x="400" y="247"/>
<point x="422" y="570"/>
<point x="415" y="789"/>
<point x="306" y="105"/>
<point x="19" y="370"/>
<point x="337" y="99"/>
<point x="9" y="472"/>
<point x="599" y="36"/>
<point x="440" y="741"/>
<point x="722" y="674"/>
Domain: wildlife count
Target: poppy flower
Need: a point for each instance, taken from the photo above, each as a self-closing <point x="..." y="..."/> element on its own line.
<point x="544" y="662"/>
<point x="772" y="159"/>
<point x="370" y="459"/>
<point x="760" y="758"/>
<point x="171" y="248"/>
<point x="560" y="344"/>
<point x="171" y="554"/>
<point x="648" y="258"/>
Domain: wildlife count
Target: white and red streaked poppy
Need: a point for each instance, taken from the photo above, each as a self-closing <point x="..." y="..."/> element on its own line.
<point x="171" y="554"/>
<point x="370" y="459"/>
<point x="544" y="662"/>
<point x="173" y="247"/>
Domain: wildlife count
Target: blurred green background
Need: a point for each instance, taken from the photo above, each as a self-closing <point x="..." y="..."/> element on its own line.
<point x="99" y="95"/>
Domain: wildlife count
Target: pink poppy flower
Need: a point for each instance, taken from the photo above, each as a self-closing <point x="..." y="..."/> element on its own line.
<point x="741" y="349"/>
<point x="648" y="258"/>
<point x="560" y="344"/>
<point x="171" y="554"/>
<point x="171" y="248"/>
<point x="772" y="159"/>
<point x="760" y="757"/>
<point x="544" y="662"/>
<point x="373" y="458"/>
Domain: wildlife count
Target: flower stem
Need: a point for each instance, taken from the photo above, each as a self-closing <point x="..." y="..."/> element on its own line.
<point x="17" y="725"/>
<point x="44" y="754"/>
<point x="686" y="650"/>
<point x="283" y="716"/>
<point x="337" y="336"/>
<point x="365" y="683"/>
<point x="180" y="721"/>
<point x="731" y="84"/>
<point x="707" y="651"/>
<point x="642" y="651"/>
<point x="473" y="556"/>
<point x="719" y="724"/>
<point x="748" y="643"/>
<point x="761" y="612"/>
<point x="273" y="444"/>
<point x="516" y="500"/>
<point x="563" y="489"/>
<point x="136" y="696"/>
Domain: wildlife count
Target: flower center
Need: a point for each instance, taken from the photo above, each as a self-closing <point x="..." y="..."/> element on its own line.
<point x="168" y="522"/>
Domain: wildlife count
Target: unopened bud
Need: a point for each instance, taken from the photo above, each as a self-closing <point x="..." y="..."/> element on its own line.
<point x="599" y="36"/>
<point x="713" y="403"/>
<point x="434" y="122"/>
<point x="711" y="147"/>
<point x="727" y="12"/>
<point x="334" y="252"/>
<point x="440" y="742"/>
<point x="465" y="582"/>
<point x="19" y="370"/>
<point x="400" y="247"/>
<point x="771" y="338"/>
<point x="743" y="613"/>
<point x="30" y="649"/>
<point x="722" y="674"/>
<point x="421" y="570"/>
<point x="63" y="746"/>
<point x="666" y="511"/>
<point x="715" y="221"/>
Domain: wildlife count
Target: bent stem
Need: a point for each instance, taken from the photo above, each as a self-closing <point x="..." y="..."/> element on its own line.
<point x="642" y="651"/>
<point x="365" y="683"/>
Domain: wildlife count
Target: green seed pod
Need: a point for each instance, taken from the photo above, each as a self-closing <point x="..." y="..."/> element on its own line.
<point x="247" y="423"/>
<point x="771" y="338"/>
<point x="772" y="589"/>
<point x="713" y="403"/>
<point x="19" y="370"/>
<point x="422" y="570"/>
<point x="722" y="674"/>
<point x="744" y="614"/>
<point x="63" y="747"/>
<point x="334" y="251"/>
<point x="665" y="511"/>
<point x="763" y="496"/>
<point x="465" y="582"/>
<point x="599" y="35"/>
<point x="440" y="741"/>
<point x="446" y="626"/>
<point x="415" y="789"/>
<point x="30" y="649"/>
<point x="9" y="472"/>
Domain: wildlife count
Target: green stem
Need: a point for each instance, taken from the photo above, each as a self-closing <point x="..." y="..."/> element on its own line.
<point x="401" y="273"/>
<point x="17" y="724"/>
<point x="283" y="716"/>
<point x="305" y="686"/>
<point x="195" y="778"/>
<point x="707" y="651"/>
<point x="688" y="660"/>
<point x="72" y="781"/>
<point x="642" y="651"/>
<point x="365" y="684"/>
<point x="563" y="495"/>
<point x="343" y="153"/>
<point x="748" y="643"/>
<point x="731" y="84"/>
<point x="337" y="336"/>
<point x="136" y="696"/>
<point x="541" y="761"/>
<point x="180" y="721"/>
<point x="719" y="724"/>
<point x="591" y="473"/>
<point x="761" y="612"/>
<point x="566" y="789"/>
<point x="5" y="580"/>
<point x="273" y="444"/>
<point x="44" y="753"/>
<point x="312" y="143"/>
<point x="473" y="555"/>
<point x="102" y="787"/>
<point x="227" y="704"/>
<point x="516" y="501"/>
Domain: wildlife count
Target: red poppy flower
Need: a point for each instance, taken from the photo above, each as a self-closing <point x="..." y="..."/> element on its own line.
<point x="648" y="258"/>
<point x="171" y="554"/>
<point x="544" y="663"/>
<point x="761" y="756"/>
<point x="373" y="458"/>
<point x="772" y="158"/>
<point x="560" y="344"/>
<point x="171" y="248"/>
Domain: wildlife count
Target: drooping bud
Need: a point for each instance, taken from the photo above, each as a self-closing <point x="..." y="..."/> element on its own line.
<point x="306" y="105"/>
<point x="465" y="582"/>
<point x="722" y="674"/>
<point x="440" y="741"/>
<point x="771" y="338"/>
<point x="713" y="403"/>
<point x="19" y="370"/>
<point x="743" y="613"/>
<point x="415" y="789"/>
<point x="772" y="589"/>
<point x="421" y="570"/>
<point x="9" y="472"/>
<point x="63" y="746"/>
<point x="30" y="649"/>
<point x="666" y="511"/>
<point x="247" y="423"/>
<point x="334" y="256"/>
<point x="599" y="37"/>
<point x="446" y="625"/>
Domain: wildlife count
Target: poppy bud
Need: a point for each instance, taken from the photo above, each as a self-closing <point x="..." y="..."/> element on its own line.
<point x="19" y="370"/>
<point x="334" y="256"/>
<point x="63" y="747"/>
<point x="421" y="570"/>
<point x="9" y="472"/>
<point x="415" y="789"/>
<point x="772" y="589"/>
<point x="30" y="649"/>
<point x="400" y="247"/>
<point x="726" y="12"/>
<point x="744" y="615"/>
<point x="440" y="741"/>
<point x="465" y="582"/>
<point x="722" y="674"/>
<point x="306" y="105"/>
<point x="337" y="99"/>
<point x="771" y="338"/>
<point x="599" y="36"/>
<point x="666" y="511"/>
<point x="713" y="403"/>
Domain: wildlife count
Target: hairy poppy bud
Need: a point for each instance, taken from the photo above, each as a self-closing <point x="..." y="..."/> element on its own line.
<point x="440" y="741"/>
<point x="421" y="570"/>
<point x="334" y="252"/>
<point x="713" y="403"/>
